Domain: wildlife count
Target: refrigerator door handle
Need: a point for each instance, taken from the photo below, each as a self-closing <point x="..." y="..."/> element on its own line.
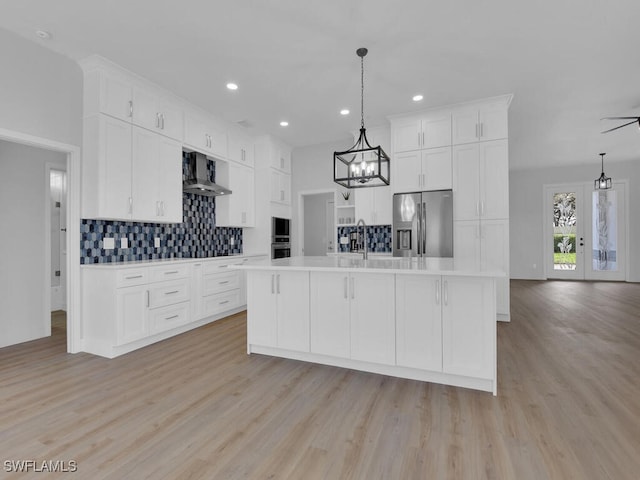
<point x="424" y="228"/>
<point x="419" y="239"/>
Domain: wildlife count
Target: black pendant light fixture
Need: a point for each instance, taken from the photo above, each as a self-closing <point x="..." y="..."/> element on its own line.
<point x="604" y="182"/>
<point x="362" y="165"/>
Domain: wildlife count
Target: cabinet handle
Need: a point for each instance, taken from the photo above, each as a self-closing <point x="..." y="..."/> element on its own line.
<point x="172" y="272"/>
<point x="148" y="300"/>
<point x="477" y="131"/>
<point x="423" y="139"/>
<point x="346" y="295"/>
<point x="172" y="292"/>
<point x="418" y="138"/>
<point x="446" y="292"/>
<point x="172" y="317"/>
<point x="477" y="209"/>
<point x="437" y="292"/>
<point x="130" y="204"/>
<point x="353" y="288"/>
<point x="132" y="277"/>
<point x="197" y="264"/>
<point x="162" y="205"/>
<point x="157" y="120"/>
<point x="278" y="283"/>
<point x="130" y="108"/>
<point x="482" y="208"/>
<point x="481" y="129"/>
<point x="272" y="284"/>
<point x="223" y="283"/>
<point x="222" y="303"/>
<point x="162" y="118"/>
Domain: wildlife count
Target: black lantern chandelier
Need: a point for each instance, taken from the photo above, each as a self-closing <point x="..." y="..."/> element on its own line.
<point x="362" y="165"/>
<point x="604" y="182"/>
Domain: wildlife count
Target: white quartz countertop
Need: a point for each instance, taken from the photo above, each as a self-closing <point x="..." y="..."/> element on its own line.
<point x="421" y="266"/>
<point x="172" y="261"/>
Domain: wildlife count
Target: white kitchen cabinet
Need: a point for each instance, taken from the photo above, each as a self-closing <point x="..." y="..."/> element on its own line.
<point x="280" y="157"/>
<point x="241" y="148"/>
<point x="280" y="187"/>
<point x="352" y="316"/>
<point x="419" y="322"/>
<point x="428" y="169"/>
<point x="156" y="188"/>
<point x="203" y="135"/>
<point x="426" y="131"/>
<point x="481" y="180"/>
<point x="237" y="209"/>
<point x="157" y="113"/>
<point x="110" y="94"/>
<point x="480" y="124"/>
<point x="374" y="205"/>
<point x="468" y="327"/>
<point x="132" y="318"/>
<point x="279" y="313"/>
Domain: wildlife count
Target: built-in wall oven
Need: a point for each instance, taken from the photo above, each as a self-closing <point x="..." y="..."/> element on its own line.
<point x="280" y="237"/>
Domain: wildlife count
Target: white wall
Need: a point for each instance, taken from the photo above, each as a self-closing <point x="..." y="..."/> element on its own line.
<point x="40" y="91"/>
<point x="526" y="212"/>
<point x="23" y="177"/>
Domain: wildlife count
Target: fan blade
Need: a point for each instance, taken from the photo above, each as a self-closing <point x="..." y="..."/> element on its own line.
<point x="616" y="128"/>
<point x="620" y="118"/>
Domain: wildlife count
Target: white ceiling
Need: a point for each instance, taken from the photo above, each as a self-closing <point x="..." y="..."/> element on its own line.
<point x="567" y="62"/>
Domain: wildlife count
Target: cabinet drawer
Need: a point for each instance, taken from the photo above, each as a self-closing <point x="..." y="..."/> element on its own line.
<point x="169" y="272"/>
<point x="166" y="318"/>
<point x="130" y="277"/>
<point x="220" y="302"/>
<point x="209" y="268"/>
<point x="220" y="282"/>
<point x="168" y="293"/>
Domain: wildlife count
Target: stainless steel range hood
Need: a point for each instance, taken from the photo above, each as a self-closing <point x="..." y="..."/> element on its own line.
<point x="197" y="181"/>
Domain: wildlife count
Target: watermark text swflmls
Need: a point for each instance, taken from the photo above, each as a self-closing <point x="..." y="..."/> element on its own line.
<point x="50" y="466"/>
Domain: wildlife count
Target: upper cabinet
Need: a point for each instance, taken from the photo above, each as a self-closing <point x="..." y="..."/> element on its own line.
<point x="204" y="135"/>
<point x="157" y="113"/>
<point x="480" y="124"/>
<point x="241" y="148"/>
<point x="280" y="157"/>
<point x="417" y="132"/>
<point x="237" y="209"/>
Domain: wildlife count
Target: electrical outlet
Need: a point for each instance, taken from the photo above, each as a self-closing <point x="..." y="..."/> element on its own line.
<point x="124" y="243"/>
<point x="156" y="242"/>
<point x="232" y="241"/>
<point x="344" y="240"/>
<point x="109" y="243"/>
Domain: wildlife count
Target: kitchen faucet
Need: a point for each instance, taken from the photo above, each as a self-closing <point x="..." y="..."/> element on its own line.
<point x="364" y="238"/>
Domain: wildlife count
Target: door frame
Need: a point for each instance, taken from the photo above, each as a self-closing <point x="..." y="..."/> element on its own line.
<point x="587" y="190"/>
<point x="48" y="237"/>
<point x="300" y="229"/>
<point x="74" y="327"/>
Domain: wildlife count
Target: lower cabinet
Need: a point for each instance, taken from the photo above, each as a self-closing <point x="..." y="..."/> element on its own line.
<point x="445" y="324"/>
<point x="132" y="304"/>
<point x="352" y="316"/>
<point x="279" y="313"/>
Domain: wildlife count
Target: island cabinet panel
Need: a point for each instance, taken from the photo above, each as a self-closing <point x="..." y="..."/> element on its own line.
<point x="468" y="326"/>
<point x="372" y="318"/>
<point x="278" y="315"/>
<point x="329" y="302"/>
<point x="419" y="322"/>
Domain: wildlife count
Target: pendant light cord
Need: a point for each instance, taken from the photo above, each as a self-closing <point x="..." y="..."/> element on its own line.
<point x="362" y="92"/>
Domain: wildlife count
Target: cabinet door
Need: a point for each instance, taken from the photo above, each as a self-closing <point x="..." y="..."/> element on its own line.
<point x="465" y="127"/>
<point x="494" y="179"/>
<point x="493" y="123"/>
<point x="329" y="310"/>
<point x="145" y="109"/>
<point x="217" y="140"/>
<point x="383" y="203"/>
<point x="436" y="131"/>
<point x="240" y="148"/>
<point x="281" y="158"/>
<point x="372" y="318"/>
<point x="408" y="171"/>
<point x="280" y="187"/>
<point x="145" y="177"/>
<point x="365" y="205"/>
<point x="132" y="314"/>
<point x="238" y="208"/>
<point x="437" y="169"/>
<point x="407" y="135"/>
<point x="468" y="327"/>
<point x="114" y="171"/>
<point x="261" y="314"/>
<point x="495" y="255"/>
<point x="195" y="132"/>
<point x="293" y="310"/>
<point x="170" y="180"/>
<point x="419" y="322"/>
<point x="171" y="119"/>
<point x="466" y="243"/>
<point x="466" y="182"/>
<point x="116" y="96"/>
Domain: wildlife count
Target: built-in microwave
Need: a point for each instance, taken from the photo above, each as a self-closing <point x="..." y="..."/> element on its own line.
<point x="280" y="230"/>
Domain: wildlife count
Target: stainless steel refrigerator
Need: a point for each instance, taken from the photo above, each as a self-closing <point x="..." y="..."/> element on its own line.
<point x="423" y="224"/>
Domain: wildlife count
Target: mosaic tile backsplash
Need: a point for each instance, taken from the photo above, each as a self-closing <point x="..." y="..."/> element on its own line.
<point x="196" y="237"/>
<point x="378" y="238"/>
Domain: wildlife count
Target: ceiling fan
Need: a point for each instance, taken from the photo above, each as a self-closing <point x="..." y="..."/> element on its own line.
<point x="634" y="120"/>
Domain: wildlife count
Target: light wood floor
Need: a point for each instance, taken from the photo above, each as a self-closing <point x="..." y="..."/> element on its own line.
<point x="196" y="406"/>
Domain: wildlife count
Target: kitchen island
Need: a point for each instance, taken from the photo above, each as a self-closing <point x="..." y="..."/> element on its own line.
<point x="428" y="319"/>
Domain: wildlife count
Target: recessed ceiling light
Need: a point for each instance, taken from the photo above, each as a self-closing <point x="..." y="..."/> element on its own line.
<point x="232" y="86"/>
<point x="344" y="111"/>
<point x="284" y="124"/>
<point x="43" y="34"/>
<point x="417" y="98"/>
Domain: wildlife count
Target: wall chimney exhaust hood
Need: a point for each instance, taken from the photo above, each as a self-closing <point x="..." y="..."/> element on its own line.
<point x="197" y="181"/>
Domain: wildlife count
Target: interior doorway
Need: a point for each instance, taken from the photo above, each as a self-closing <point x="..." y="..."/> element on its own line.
<point x="57" y="200"/>
<point x="317" y="229"/>
<point x="585" y="231"/>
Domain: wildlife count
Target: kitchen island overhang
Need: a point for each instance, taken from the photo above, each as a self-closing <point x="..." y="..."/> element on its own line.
<point x="427" y="319"/>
